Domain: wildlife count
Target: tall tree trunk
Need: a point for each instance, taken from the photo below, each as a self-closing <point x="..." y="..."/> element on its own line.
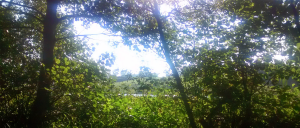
<point x="247" y="99"/>
<point x="246" y="123"/>
<point x="42" y="101"/>
<point x="174" y="71"/>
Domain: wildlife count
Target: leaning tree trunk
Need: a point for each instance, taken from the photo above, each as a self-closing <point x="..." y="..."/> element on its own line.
<point x="180" y="87"/>
<point x="42" y="101"/>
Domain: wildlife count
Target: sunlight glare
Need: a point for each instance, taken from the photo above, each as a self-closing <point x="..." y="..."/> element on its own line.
<point x="126" y="59"/>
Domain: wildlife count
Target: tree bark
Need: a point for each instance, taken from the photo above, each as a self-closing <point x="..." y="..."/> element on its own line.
<point x="246" y="123"/>
<point x="174" y="71"/>
<point x="247" y="99"/>
<point x="42" y="102"/>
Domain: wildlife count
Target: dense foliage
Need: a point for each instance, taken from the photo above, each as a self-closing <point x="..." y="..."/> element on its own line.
<point x="221" y="53"/>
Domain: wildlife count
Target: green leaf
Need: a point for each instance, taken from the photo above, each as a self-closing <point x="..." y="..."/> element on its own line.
<point x="298" y="46"/>
<point x="66" y="61"/>
<point x="57" y="61"/>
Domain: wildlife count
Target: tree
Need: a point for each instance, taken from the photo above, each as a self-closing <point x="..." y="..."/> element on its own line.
<point x="47" y="20"/>
<point x="18" y="69"/>
<point x="216" y="51"/>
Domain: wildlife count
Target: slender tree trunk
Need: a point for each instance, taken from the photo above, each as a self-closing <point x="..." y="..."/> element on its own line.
<point x="247" y="119"/>
<point x="169" y="61"/>
<point x="246" y="123"/>
<point x="42" y="101"/>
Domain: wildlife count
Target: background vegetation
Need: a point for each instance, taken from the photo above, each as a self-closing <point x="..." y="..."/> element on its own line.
<point x="221" y="53"/>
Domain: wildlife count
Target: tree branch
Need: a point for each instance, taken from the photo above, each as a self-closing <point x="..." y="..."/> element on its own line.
<point x="21" y="27"/>
<point x="106" y="34"/>
<point x="58" y="98"/>
<point x="259" y="88"/>
<point x="82" y="16"/>
<point x="20" y="12"/>
<point x="85" y="35"/>
<point x="24" y="6"/>
<point x="41" y="21"/>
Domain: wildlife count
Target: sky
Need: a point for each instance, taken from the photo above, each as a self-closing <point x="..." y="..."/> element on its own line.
<point x="127" y="59"/>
